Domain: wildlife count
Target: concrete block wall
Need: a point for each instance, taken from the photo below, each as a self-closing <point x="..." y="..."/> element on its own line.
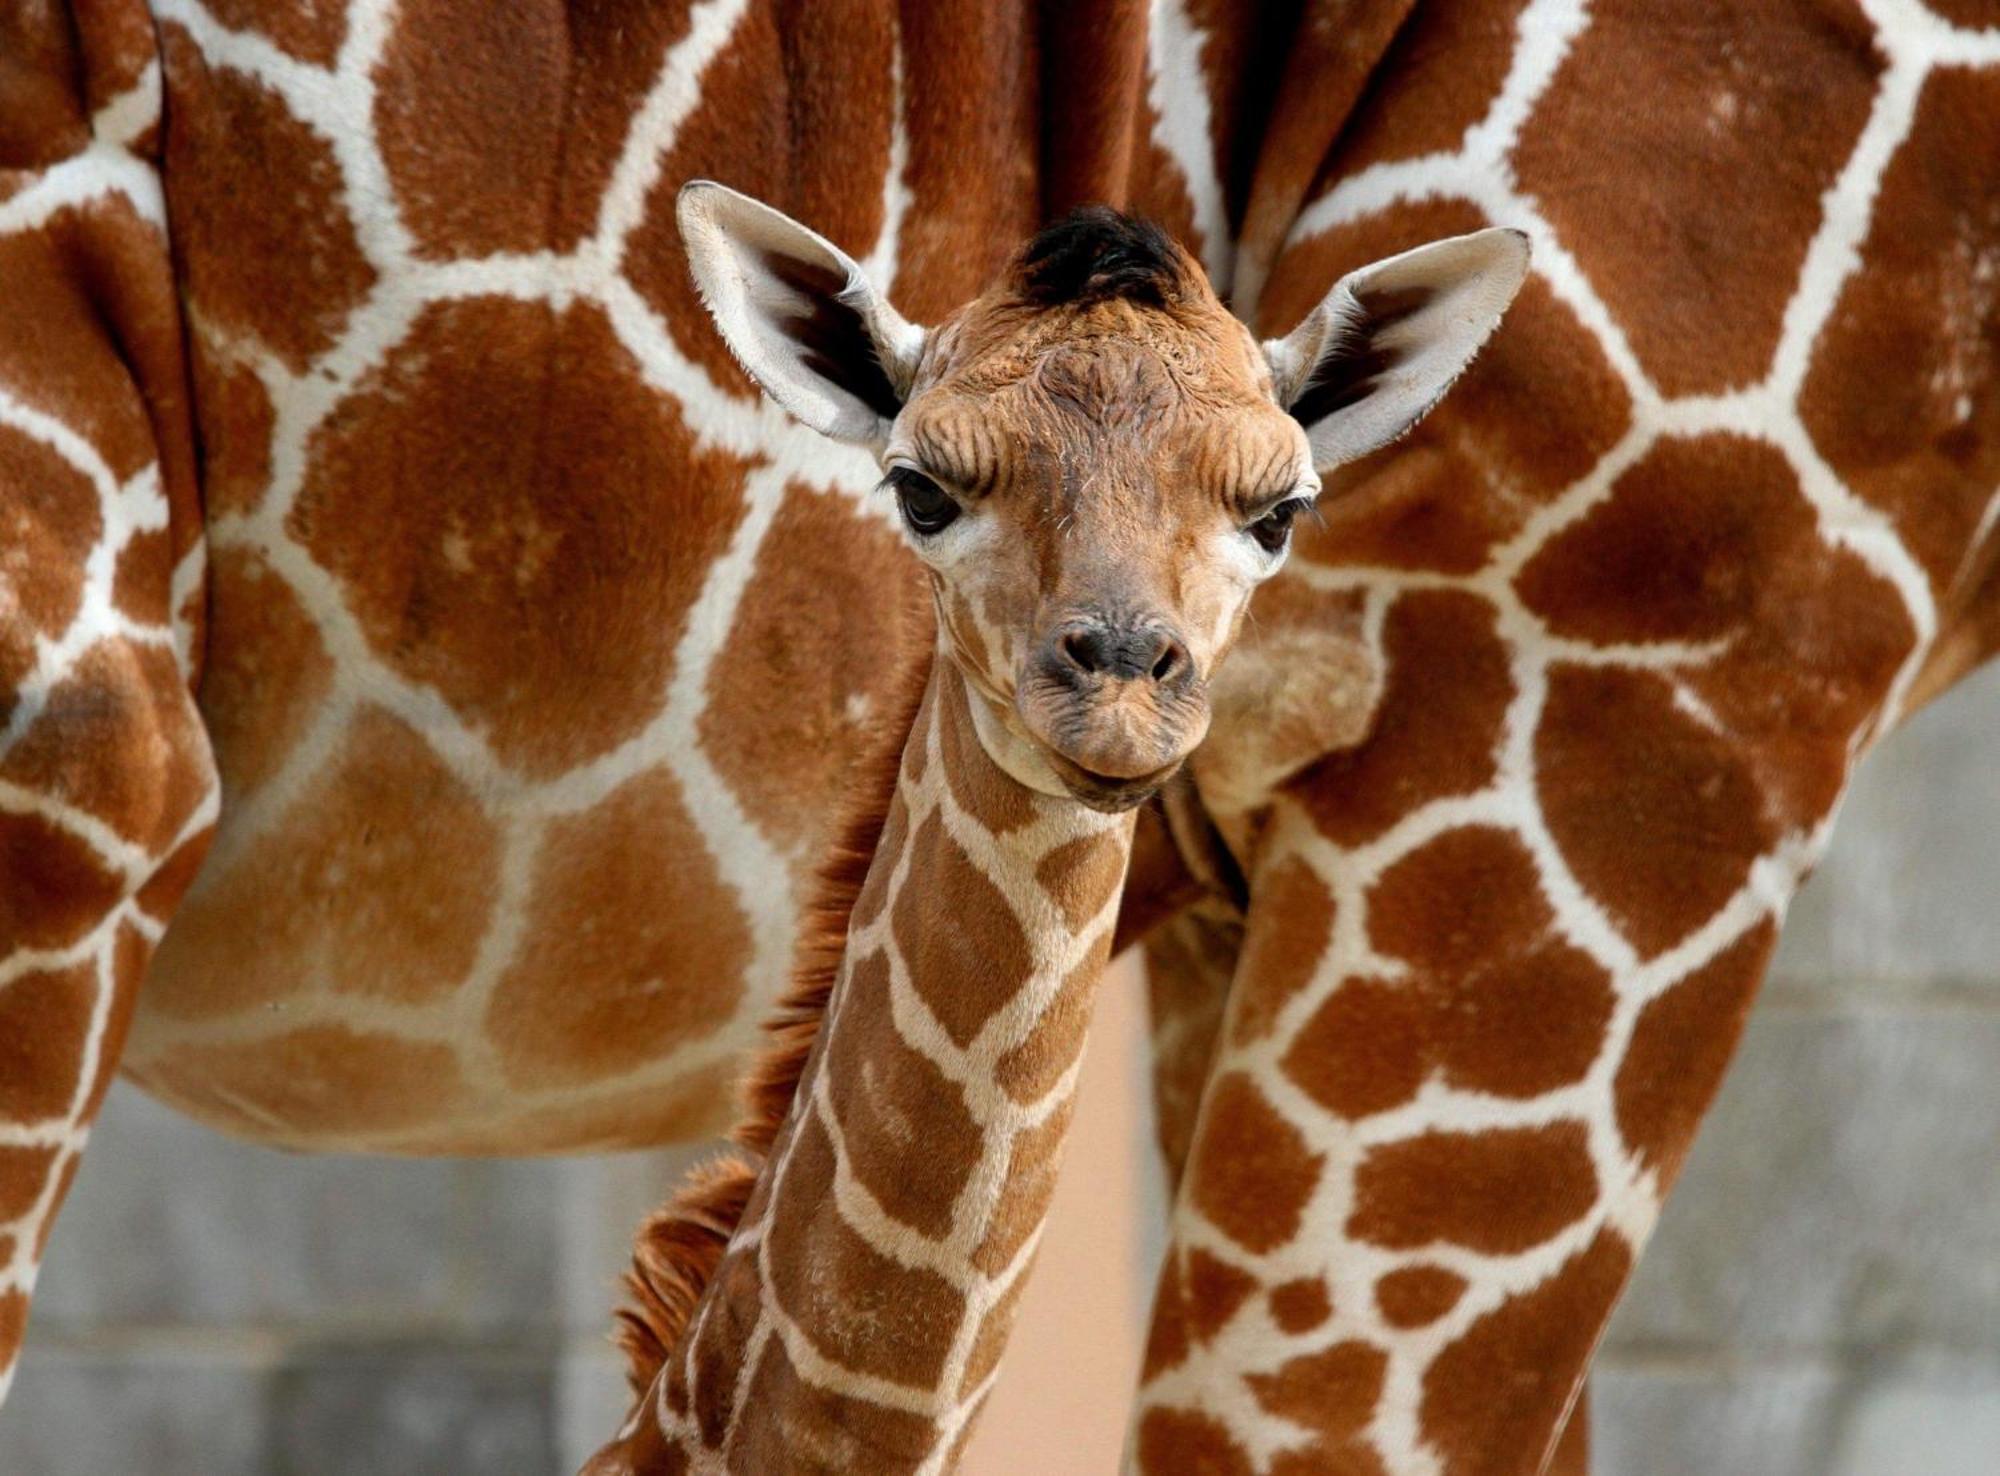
<point x="1822" y="1299"/>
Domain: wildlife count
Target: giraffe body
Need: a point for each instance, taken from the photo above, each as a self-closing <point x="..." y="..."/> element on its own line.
<point x="361" y="362"/>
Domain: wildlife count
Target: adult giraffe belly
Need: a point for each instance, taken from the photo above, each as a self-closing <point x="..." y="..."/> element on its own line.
<point x="529" y="745"/>
<point x="538" y="648"/>
<point x="534" y="685"/>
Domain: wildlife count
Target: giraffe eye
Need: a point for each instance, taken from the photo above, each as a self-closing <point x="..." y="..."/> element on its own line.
<point x="927" y="507"/>
<point x="1274" y="529"/>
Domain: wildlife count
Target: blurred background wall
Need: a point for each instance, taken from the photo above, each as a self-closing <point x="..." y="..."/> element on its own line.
<point x="1822" y="1299"/>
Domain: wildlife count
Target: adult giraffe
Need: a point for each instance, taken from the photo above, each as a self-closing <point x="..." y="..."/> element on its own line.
<point x="356" y="397"/>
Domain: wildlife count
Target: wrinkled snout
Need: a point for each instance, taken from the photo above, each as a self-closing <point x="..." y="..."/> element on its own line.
<point x="1115" y="701"/>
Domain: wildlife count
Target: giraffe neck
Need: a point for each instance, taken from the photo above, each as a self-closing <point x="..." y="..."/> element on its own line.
<point x="864" y="1299"/>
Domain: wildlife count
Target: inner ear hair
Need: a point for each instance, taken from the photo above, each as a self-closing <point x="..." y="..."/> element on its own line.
<point x="1385" y="344"/>
<point x="1364" y="349"/>
<point x="799" y="315"/>
<point x="826" y="316"/>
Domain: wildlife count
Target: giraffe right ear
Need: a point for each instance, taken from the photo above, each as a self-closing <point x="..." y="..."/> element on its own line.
<point x="799" y="314"/>
<point x="1386" y="343"/>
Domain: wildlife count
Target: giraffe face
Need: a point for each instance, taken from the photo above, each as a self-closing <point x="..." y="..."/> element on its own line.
<point x="1097" y="484"/>
<point x="1095" y="461"/>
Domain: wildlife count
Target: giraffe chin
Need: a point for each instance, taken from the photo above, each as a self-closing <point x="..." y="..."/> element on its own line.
<point x="1105" y="792"/>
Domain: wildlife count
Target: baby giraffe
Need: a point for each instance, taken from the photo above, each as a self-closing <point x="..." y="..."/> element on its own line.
<point x="1097" y="465"/>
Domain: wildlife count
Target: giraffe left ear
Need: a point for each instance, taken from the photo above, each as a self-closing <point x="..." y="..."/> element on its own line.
<point x="799" y="314"/>
<point x="1386" y="343"/>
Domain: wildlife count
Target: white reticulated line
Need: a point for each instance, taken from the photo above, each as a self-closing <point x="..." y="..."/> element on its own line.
<point x="121" y="119"/>
<point x="98" y="170"/>
<point x="1543" y="36"/>
<point x="1177" y="89"/>
<point x="657" y="123"/>
<point x="186" y="579"/>
<point x="863" y="1213"/>
<point x="744" y="856"/>
<point x="882" y="260"/>
<point x="506" y="923"/>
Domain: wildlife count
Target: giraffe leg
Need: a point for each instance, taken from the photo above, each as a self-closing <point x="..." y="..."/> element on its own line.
<point x="1190" y="960"/>
<point x="107" y="792"/>
<point x="1409" y="1207"/>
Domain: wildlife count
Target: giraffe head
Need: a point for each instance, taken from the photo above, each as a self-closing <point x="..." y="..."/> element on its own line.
<point x="1096" y="462"/>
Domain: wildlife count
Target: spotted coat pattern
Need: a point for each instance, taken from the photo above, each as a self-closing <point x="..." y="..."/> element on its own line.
<point x="349" y="375"/>
<point x="857" y="1319"/>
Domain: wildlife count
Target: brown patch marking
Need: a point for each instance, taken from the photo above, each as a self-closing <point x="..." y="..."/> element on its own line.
<point x="803" y="1427"/>
<point x="1331" y="1392"/>
<point x="1081" y="875"/>
<point x="117" y="738"/>
<point x="998" y="802"/>
<point x="378" y="882"/>
<point x="1285" y="936"/>
<point x="520" y="522"/>
<point x="1215" y="1290"/>
<point x="1252" y="1171"/>
<point x="56" y="888"/>
<point x="910" y="1140"/>
<point x="87" y="267"/>
<point x="1506" y="440"/>
<point x="1500" y="1192"/>
<point x="49" y="521"/>
<point x="991" y="1340"/>
<point x="1681" y="1045"/>
<point x="1496" y="1002"/>
<point x="140" y="583"/>
<point x="1029" y="1071"/>
<point x="500" y="124"/>
<point x="831" y="106"/>
<point x="310" y="30"/>
<point x="1417" y="1296"/>
<point x="258" y="210"/>
<point x="1507" y="1381"/>
<point x="1190" y="962"/>
<point x="1766" y="106"/>
<point x="1443" y="701"/>
<point x="1448" y="63"/>
<point x="267" y="670"/>
<point x="860" y="1308"/>
<point x="1027" y="1187"/>
<point x="324" y="1082"/>
<point x="23" y="1172"/>
<point x="42" y="120"/>
<point x="1366" y="1048"/>
<point x="1615" y="758"/>
<point x="964" y="973"/>
<point x="605" y="981"/>
<point x="1300" y="1306"/>
<point x="1180" y="1442"/>
<point x="236" y="419"/>
<point x="833" y="611"/>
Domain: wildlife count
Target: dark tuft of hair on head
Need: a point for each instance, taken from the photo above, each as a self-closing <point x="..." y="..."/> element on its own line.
<point x="1096" y="253"/>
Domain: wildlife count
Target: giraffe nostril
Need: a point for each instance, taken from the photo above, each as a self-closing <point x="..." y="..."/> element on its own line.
<point x="1088" y="648"/>
<point x="1127" y="653"/>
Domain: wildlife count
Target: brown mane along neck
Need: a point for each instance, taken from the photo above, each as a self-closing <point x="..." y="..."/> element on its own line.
<point x="677" y="1250"/>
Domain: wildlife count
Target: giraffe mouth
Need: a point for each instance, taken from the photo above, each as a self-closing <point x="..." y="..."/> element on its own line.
<point x="1110" y="793"/>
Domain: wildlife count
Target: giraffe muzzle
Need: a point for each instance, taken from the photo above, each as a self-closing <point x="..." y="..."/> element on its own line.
<point x="1116" y="706"/>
